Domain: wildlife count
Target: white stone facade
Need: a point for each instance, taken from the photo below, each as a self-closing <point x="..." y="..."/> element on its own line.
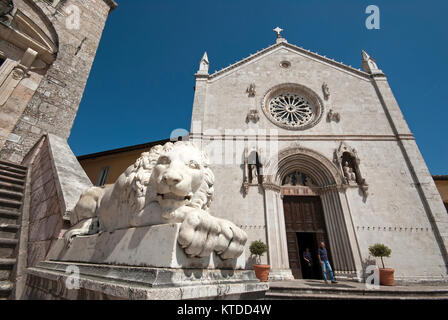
<point x="397" y="203"/>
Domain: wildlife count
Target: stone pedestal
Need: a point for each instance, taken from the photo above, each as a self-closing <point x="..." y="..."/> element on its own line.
<point x="138" y="263"/>
<point x="152" y="246"/>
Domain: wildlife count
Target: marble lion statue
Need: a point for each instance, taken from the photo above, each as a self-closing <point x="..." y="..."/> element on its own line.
<point x="172" y="183"/>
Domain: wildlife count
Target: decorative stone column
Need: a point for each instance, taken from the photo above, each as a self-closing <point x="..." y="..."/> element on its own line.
<point x="276" y="233"/>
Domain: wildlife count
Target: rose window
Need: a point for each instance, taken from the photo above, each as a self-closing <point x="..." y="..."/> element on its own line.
<point x="291" y="110"/>
<point x="292" y="106"/>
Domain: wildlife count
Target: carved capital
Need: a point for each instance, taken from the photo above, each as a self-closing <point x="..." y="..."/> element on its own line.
<point x="271" y="186"/>
<point x="19" y="72"/>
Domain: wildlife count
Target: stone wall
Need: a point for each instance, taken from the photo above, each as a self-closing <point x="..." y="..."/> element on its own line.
<point x="38" y="288"/>
<point x="55" y="182"/>
<point x="50" y="101"/>
<point x="45" y="220"/>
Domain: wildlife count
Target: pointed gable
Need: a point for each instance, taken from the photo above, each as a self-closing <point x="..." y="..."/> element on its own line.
<point x="284" y="44"/>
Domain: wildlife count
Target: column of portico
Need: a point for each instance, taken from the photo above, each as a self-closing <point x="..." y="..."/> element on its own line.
<point x="276" y="233"/>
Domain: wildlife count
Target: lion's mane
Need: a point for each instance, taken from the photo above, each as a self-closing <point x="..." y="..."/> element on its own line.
<point x="138" y="191"/>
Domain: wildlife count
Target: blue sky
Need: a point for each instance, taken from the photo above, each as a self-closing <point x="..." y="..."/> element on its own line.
<point x="141" y="84"/>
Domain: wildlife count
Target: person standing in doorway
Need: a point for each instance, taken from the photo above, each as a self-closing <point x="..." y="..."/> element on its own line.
<point x="308" y="263"/>
<point x="324" y="263"/>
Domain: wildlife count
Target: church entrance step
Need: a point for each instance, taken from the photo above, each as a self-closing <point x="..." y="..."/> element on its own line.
<point x="318" y="290"/>
<point x="311" y="296"/>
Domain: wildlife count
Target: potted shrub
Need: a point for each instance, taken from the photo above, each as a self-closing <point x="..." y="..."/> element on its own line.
<point x="386" y="274"/>
<point x="258" y="248"/>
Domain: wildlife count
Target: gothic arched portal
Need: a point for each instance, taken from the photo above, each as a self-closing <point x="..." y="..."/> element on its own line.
<point x="327" y="184"/>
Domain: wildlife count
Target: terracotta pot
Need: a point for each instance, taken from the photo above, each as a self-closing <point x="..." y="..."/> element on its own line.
<point x="262" y="271"/>
<point x="387" y="276"/>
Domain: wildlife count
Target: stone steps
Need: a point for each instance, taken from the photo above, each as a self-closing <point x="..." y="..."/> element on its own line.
<point x="278" y="291"/>
<point x="8" y="243"/>
<point x="13" y="165"/>
<point x="8" y="215"/>
<point x="12" y="169"/>
<point x="328" y="296"/>
<point x="14" y="204"/>
<point x="11" y="174"/>
<point x="12" y="189"/>
<point x="11" y="195"/>
<point x="11" y="180"/>
<point x="11" y="186"/>
<point x="5" y="288"/>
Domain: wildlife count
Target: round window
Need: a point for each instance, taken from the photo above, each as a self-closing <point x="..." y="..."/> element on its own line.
<point x="292" y="107"/>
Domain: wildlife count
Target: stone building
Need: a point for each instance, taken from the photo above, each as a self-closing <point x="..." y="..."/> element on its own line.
<point x="303" y="148"/>
<point x="47" y="48"/>
<point x="442" y="185"/>
<point x="308" y="149"/>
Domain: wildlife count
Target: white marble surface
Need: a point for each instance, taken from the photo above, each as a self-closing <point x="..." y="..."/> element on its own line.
<point x="152" y="246"/>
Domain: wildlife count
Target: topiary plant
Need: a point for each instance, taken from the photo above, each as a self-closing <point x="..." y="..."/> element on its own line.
<point x="380" y="250"/>
<point x="258" y="248"/>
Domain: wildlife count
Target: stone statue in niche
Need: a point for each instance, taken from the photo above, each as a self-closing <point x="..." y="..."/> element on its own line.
<point x="348" y="161"/>
<point x="325" y="91"/>
<point x="251" y="90"/>
<point x="254" y="165"/>
<point x="348" y="173"/>
<point x="172" y="183"/>
<point x="254" y="173"/>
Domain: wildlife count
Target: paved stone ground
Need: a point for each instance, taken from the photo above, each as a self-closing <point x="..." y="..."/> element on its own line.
<point x="317" y="289"/>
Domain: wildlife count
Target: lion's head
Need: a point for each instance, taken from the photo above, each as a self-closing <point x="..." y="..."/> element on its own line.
<point x="175" y="174"/>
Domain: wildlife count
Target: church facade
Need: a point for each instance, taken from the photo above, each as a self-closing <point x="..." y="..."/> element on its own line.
<point x="306" y="149"/>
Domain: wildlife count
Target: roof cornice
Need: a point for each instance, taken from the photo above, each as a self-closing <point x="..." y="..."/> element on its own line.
<point x="315" y="55"/>
<point x="112" y="4"/>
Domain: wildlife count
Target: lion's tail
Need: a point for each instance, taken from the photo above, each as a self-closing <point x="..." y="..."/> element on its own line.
<point x="87" y="205"/>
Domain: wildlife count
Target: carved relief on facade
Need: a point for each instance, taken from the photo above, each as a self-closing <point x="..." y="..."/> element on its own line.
<point x="348" y="161"/>
<point x="333" y="116"/>
<point x="19" y="72"/>
<point x="251" y="90"/>
<point x="326" y="91"/>
<point x="253" y="116"/>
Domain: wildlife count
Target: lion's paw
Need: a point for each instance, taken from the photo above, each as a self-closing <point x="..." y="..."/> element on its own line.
<point x="231" y="240"/>
<point x="199" y="233"/>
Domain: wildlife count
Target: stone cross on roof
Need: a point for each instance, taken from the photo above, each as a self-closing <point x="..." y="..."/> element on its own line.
<point x="278" y="30"/>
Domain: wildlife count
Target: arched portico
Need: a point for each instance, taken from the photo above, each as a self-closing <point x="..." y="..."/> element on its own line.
<point x="329" y="186"/>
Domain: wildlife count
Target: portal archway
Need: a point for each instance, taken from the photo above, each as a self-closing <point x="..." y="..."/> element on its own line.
<point x="328" y="185"/>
